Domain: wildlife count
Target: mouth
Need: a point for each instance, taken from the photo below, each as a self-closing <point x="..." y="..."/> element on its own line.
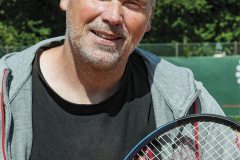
<point x="106" y="36"/>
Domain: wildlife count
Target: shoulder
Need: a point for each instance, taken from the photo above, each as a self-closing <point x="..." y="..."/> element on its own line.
<point x="26" y="56"/>
<point x="19" y="64"/>
<point x="173" y="84"/>
<point x="176" y="85"/>
<point x="158" y="67"/>
<point x="168" y="78"/>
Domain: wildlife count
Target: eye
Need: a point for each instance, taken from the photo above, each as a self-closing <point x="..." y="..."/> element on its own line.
<point x="131" y="2"/>
<point x="132" y="5"/>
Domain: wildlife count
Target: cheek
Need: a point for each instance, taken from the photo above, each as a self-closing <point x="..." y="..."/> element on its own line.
<point x="136" y="26"/>
<point x="136" y="21"/>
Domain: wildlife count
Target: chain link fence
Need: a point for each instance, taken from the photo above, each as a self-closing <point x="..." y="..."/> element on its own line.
<point x="170" y="49"/>
<point x="192" y="49"/>
<point x="9" y="49"/>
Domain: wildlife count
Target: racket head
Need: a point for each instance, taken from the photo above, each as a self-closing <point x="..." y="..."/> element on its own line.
<point x="194" y="120"/>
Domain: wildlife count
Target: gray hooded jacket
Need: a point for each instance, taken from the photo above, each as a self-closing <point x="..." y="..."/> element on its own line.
<point x="173" y="92"/>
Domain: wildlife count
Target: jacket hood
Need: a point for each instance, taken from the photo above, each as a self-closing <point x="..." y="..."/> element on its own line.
<point x="176" y="85"/>
<point x="168" y="79"/>
<point x="23" y="60"/>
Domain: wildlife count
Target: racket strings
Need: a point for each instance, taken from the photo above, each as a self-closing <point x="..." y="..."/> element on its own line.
<point x="180" y="143"/>
<point x="218" y="143"/>
<point x="213" y="144"/>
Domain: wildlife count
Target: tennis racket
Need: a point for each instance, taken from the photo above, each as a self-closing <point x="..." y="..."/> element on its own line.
<point x="194" y="137"/>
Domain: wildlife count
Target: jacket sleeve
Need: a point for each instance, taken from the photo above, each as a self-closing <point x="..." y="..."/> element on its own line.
<point x="208" y="103"/>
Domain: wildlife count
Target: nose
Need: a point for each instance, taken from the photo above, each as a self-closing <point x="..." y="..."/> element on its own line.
<point x="113" y="13"/>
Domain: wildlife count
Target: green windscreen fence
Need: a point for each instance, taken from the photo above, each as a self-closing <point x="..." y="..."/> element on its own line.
<point x="220" y="76"/>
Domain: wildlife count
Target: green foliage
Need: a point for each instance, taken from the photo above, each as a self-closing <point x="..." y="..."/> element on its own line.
<point x="9" y="35"/>
<point x="195" y="21"/>
<point x="205" y="49"/>
<point x="25" y="22"/>
<point x="186" y="51"/>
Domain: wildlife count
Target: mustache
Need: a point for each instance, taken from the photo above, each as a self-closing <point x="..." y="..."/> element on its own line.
<point x="118" y="30"/>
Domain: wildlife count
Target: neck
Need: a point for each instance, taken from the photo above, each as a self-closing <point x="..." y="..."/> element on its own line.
<point x="81" y="81"/>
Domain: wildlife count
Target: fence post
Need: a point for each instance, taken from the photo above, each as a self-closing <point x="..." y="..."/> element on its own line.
<point x="235" y="48"/>
<point x="176" y="50"/>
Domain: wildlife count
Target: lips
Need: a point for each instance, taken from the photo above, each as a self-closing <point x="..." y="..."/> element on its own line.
<point x="105" y="35"/>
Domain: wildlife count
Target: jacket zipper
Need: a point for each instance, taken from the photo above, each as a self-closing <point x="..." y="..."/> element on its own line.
<point x="3" y="120"/>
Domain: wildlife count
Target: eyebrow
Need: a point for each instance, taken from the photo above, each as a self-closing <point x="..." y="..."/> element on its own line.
<point x="144" y="2"/>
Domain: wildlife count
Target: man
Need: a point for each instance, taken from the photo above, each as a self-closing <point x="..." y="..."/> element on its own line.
<point x="92" y="94"/>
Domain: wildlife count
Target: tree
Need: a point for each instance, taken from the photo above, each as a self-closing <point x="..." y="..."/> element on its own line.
<point x="26" y="22"/>
<point x="195" y="21"/>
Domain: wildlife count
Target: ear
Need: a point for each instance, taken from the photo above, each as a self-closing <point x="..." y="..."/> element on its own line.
<point x="63" y="4"/>
<point x="149" y="21"/>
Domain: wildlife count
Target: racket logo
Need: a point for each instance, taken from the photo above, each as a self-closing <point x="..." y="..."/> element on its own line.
<point x="147" y="154"/>
<point x="237" y="142"/>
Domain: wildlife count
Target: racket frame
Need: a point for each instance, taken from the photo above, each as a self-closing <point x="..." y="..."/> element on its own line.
<point x="184" y="120"/>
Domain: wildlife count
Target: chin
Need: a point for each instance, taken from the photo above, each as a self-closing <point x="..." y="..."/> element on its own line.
<point x="103" y="63"/>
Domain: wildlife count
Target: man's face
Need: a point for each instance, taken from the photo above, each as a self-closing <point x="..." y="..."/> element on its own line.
<point x="104" y="32"/>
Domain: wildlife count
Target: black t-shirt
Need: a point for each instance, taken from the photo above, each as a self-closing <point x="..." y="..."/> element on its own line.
<point x="109" y="130"/>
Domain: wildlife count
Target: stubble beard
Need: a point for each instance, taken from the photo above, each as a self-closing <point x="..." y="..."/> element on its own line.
<point x="95" y="54"/>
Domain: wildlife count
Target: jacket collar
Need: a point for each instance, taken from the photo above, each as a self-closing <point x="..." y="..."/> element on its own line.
<point x="23" y="60"/>
<point x="175" y="84"/>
